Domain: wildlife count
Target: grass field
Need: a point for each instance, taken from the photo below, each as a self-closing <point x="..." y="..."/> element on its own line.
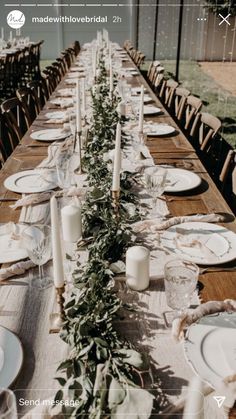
<point x="216" y="100"/>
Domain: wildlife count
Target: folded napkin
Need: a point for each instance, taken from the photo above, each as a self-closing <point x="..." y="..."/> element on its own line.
<point x="207" y="218"/>
<point x="17" y="269"/>
<point x="193" y="315"/>
<point x="57" y="121"/>
<point x="37" y="198"/>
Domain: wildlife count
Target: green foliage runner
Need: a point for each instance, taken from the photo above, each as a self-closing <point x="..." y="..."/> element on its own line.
<point x="101" y="371"/>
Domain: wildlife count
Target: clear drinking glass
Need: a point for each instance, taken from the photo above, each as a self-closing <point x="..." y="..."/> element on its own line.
<point x="7" y="404"/>
<point x="37" y="242"/>
<point x="155" y="179"/>
<point x="64" y="169"/>
<point x="180" y="278"/>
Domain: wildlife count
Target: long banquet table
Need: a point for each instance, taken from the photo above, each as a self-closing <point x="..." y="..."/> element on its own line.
<point x="26" y="311"/>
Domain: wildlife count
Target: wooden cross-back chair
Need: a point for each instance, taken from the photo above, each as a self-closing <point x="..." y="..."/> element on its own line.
<point x="180" y="99"/>
<point x="205" y="128"/>
<point x="38" y="95"/>
<point x="189" y="112"/>
<point x="28" y="104"/>
<point x="167" y="92"/>
<point x="13" y="123"/>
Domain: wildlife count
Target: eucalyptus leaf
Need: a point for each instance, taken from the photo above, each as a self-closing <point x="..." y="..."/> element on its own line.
<point x="132" y="357"/>
<point x="116" y="394"/>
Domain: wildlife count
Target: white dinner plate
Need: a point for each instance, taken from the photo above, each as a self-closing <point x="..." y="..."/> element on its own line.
<point x="181" y="180"/>
<point x="201" y="243"/>
<point x="151" y="110"/>
<point x="210" y="347"/>
<point x="146" y="98"/>
<point x="12" y="357"/>
<point x="158" y="130"/>
<point x="63" y="102"/>
<point x="137" y="90"/>
<point x="65" y="92"/>
<point x="134" y="73"/>
<point x="49" y="135"/>
<point x="71" y="80"/>
<point x="11" y="250"/>
<point x="56" y="115"/>
<point x="31" y="181"/>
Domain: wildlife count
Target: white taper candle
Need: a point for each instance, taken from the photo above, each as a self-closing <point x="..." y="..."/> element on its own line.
<point x="78" y="108"/>
<point x="117" y="160"/>
<point x="140" y="123"/>
<point x="194" y="405"/>
<point x="58" y="271"/>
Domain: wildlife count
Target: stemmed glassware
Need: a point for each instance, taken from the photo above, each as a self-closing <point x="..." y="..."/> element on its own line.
<point x="64" y="169"/>
<point x="180" y="279"/>
<point x="155" y="179"/>
<point x="7" y="404"/>
<point x="36" y="240"/>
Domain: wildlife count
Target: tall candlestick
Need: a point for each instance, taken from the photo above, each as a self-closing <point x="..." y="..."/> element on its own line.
<point x="140" y="124"/>
<point x="111" y="80"/>
<point x="117" y="160"/>
<point x="78" y="108"/>
<point x="58" y="271"/>
<point x="137" y="267"/>
<point x="194" y="406"/>
<point x="83" y="96"/>
<point x="2" y="33"/>
<point x="71" y="223"/>
<point x="10" y="37"/>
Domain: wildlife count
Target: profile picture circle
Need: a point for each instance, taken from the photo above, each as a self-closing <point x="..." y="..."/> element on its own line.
<point x="15" y="19"/>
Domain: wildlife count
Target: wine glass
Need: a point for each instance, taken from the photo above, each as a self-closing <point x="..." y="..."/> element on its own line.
<point x="180" y="279"/>
<point x="37" y="242"/>
<point x="155" y="179"/>
<point x="7" y="404"/>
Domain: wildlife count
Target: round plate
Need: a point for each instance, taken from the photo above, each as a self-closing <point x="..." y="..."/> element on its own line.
<point x="210" y="347"/>
<point x="11" y="250"/>
<point x="159" y="130"/>
<point x="137" y="90"/>
<point x="146" y="98"/>
<point x="49" y="135"/>
<point x="181" y="180"/>
<point x="201" y="243"/>
<point x="31" y="181"/>
<point x="71" y="80"/>
<point x="12" y="353"/>
<point x="151" y="110"/>
<point x="55" y="115"/>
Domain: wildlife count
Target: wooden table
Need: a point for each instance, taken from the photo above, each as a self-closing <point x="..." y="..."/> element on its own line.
<point x="26" y="312"/>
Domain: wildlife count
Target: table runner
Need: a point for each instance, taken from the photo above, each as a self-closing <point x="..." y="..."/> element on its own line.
<point x="147" y="329"/>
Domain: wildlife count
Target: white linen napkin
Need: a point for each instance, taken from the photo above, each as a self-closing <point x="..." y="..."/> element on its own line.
<point x="18" y="268"/>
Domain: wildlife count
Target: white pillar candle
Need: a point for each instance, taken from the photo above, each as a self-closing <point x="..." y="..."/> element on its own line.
<point x="2" y="33"/>
<point x="140" y="123"/>
<point x="58" y="271"/>
<point x="137" y="267"/>
<point x="117" y="160"/>
<point x="10" y="37"/>
<point x="121" y="108"/>
<point x="78" y="108"/>
<point x="71" y="223"/>
<point x="194" y="405"/>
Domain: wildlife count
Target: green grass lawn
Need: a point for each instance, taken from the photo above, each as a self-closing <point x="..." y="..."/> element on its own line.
<point x="216" y="100"/>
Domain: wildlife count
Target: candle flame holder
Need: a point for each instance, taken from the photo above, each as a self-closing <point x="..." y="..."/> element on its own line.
<point x="115" y="202"/>
<point x="57" y="319"/>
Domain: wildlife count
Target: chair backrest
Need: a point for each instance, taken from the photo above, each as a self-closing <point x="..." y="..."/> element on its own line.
<point x="24" y="94"/>
<point x="13" y="124"/>
<point x="180" y="99"/>
<point x="170" y="87"/>
<point x="191" y="109"/>
<point x="36" y="91"/>
<point x="206" y="126"/>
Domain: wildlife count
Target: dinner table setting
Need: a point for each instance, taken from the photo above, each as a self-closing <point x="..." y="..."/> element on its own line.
<point x="117" y="278"/>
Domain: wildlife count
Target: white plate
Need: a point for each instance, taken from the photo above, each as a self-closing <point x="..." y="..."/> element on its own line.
<point x="151" y="110"/>
<point x="65" y="92"/>
<point x="11" y="250"/>
<point x="153" y="130"/>
<point x="137" y="90"/>
<point x="49" y="135"/>
<point x="146" y="98"/>
<point x="63" y="102"/>
<point x="31" y="181"/>
<point x="71" y="80"/>
<point x="12" y="357"/>
<point x="210" y="347"/>
<point x="201" y="243"/>
<point x="181" y="180"/>
<point x="56" y="115"/>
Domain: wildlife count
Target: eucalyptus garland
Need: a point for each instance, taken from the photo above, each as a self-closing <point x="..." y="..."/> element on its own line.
<point x="100" y="373"/>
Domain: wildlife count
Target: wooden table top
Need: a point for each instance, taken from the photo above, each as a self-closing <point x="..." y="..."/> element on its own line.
<point x="206" y="198"/>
